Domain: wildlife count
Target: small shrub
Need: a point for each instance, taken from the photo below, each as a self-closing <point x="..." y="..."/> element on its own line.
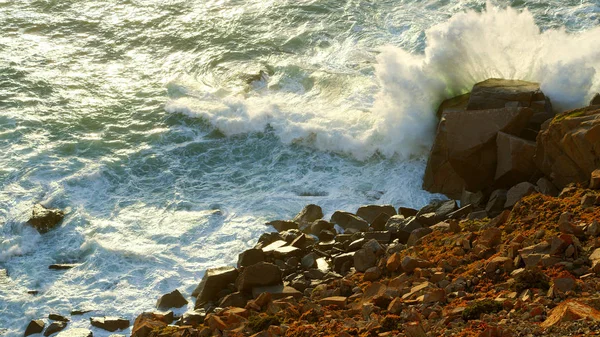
<point x="476" y="309"/>
<point x="531" y="278"/>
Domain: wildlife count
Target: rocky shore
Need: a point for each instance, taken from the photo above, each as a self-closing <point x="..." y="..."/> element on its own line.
<point x="514" y="252"/>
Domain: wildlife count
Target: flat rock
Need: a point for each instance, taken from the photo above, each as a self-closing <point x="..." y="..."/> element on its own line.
<point x="515" y="160"/>
<point x="76" y="332"/>
<point x="173" y="299"/>
<point x="213" y="281"/>
<point x="63" y="266"/>
<point x="109" y="323"/>
<point x="44" y="219"/>
<point x="569" y="311"/>
<point x="35" y="326"/>
<point x="277" y="291"/>
<point x="337" y="301"/>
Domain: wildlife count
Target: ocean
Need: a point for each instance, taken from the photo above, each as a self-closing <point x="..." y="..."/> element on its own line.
<point x="171" y="131"/>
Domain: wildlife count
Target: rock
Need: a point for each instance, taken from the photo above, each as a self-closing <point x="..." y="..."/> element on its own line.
<point x="336" y="301"/>
<point x="477" y="215"/>
<point x="308" y="215"/>
<point x="109" y="323"/>
<point x="148" y="321"/>
<point x="250" y="257"/>
<point x="258" y="275"/>
<point x="497" y="93"/>
<point x="568" y="149"/>
<point x="595" y="100"/>
<point x="173" y="299"/>
<point x="394" y="262"/>
<point x="35" y="326"/>
<point x="348" y="220"/>
<point x="44" y="219"/>
<point x="364" y="259"/>
<point x="78" y="332"/>
<point x="278" y="291"/>
<point x="283" y="225"/>
<point x="274" y="245"/>
<point x="595" y="180"/>
<point x="236" y="299"/>
<point x="409" y="264"/>
<point x="63" y="266"/>
<point x="320" y="225"/>
<point x="194" y="317"/>
<point x="496" y="202"/>
<point x="286" y="252"/>
<point x="57" y="317"/>
<point x="491" y="237"/>
<point x="372" y="274"/>
<point x="309" y="260"/>
<point x="504" y="264"/>
<point x="515" y="160"/>
<point x="460" y="159"/>
<point x="566" y="226"/>
<point x="461" y="212"/>
<point x="54" y="328"/>
<point x="518" y="192"/>
<point x="381" y="236"/>
<point x="379" y="223"/>
<point x="343" y="259"/>
<point x="407" y="212"/>
<point x="458" y="103"/>
<point x="213" y="281"/>
<point x="546" y="187"/>
<point x="370" y="212"/>
<point x="414" y="329"/>
<point x="266" y="239"/>
<point x="569" y="311"/>
<point x="417" y="234"/>
<point x="564" y="284"/>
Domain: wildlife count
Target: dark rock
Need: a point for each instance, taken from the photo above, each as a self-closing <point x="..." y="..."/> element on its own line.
<point x="54" y="328"/>
<point x="309" y="214"/>
<point x="496" y="202"/>
<point x="407" y="212"/>
<point x="515" y="160"/>
<point x="277" y="291"/>
<point x="348" y="220"/>
<point x="370" y="212"/>
<point x="63" y="266"/>
<point x="77" y="332"/>
<point x="79" y="312"/>
<point x="44" y="219"/>
<point x="35" y="326"/>
<point x="364" y="259"/>
<point x="286" y="252"/>
<point x="472" y="198"/>
<point x="57" y="317"/>
<point x="236" y="299"/>
<point x="320" y="225"/>
<point x="109" y="323"/>
<point x="546" y="187"/>
<point x="477" y="215"/>
<point x="417" y="234"/>
<point x="458" y="103"/>
<point x="595" y="100"/>
<point x="258" y="275"/>
<point x="341" y="259"/>
<point x="309" y="260"/>
<point x="33" y="292"/>
<point x="195" y="317"/>
<point x="500" y="93"/>
<point x="356" y="244"/>
<point x="250" y="257"/>
<point x="517" y="192"/>
<point x="381" y="236"/>
<point x="266" y="239"/>
<point x="461" y="212"/>
<point x="173" y="299"/>
<point x="301" y="242"/>
<point x="326" y="235"/>
<point x="283" y="225"/>
<point x="214" y="280"/>
<point x="379" y="223"/>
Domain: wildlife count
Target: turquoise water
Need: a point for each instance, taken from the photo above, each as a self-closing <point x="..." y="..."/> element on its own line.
<point x="150" y="123"/>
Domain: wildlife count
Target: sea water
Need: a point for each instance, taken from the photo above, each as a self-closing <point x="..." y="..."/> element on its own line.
<point x="171" y="131"/>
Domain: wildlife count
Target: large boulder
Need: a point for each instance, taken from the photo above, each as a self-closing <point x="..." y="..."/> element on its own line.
<point x="497" y="93"/>
<point x="258" y="275"/>
<point x="35" y="326"/>
<point x="173" y="299"/>
<point x="148" y="321"/>
<point x="515" y="160"/>
<point x="214" y="280"/>
<point x="109" y="323"/>
<point x="568" y="148"/>
<point x="371" y="212"/>
<point x="348" y="220"/>
<point x="309" y="214"/>
<point x="44" y="219"/>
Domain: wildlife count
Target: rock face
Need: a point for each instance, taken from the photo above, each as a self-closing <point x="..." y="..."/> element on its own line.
<point x="568" y="148"/>
<point x="44" y="219"/>
<point x="466" y="151"/>
<point x="173" y="299"/>
<point x="214" y="280"/>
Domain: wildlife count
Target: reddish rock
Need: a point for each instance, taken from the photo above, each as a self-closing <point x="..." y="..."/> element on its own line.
<point x="569" y="311"/>
<point x="148" y="321"/>
<point x="337" y="301"/>
<point x="515" y="160"/>
<point x="409" y="264"/>
<point x="568" y="149"/>
<point x="394" y="262"/>
<point x="504" y="264"/>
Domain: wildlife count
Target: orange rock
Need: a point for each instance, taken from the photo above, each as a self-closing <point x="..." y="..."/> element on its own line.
<point x="148" y="321"/>
<point x="236" y="311"/>
<point x="414" y="329"/>
<point x="569" y="311"/>
<point x="338" y="301"/>
<point x="394" y="262"/>
<point x="215" y="322"/>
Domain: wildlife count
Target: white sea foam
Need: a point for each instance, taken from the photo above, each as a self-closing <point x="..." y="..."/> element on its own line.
<point x="399" y="118"/>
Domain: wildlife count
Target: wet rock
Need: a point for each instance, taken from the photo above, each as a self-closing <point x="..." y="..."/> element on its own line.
<point x="370" y="212"/>
<point x="213" y="281"/>
<point x="250" y="257"/>
<point x="569" y="311"/>
<point x="348" y="220"/>
<point x="35" y="326"/>
<point x="173" y="299"/>
<point x="63" y="266"/>
<point x="54" y="328"/>
<point x="283" y="225"/>
<point x="57" y="317"/>
<point x="78" y="332"/>
<point x="308" y="215"/>
<point x="567" y="149"/>
<point x="79" y="312"/>
<point x="518" y="192"/>
<point x="44" y="219"/>
<point x="109" y="323"/>
<point x="258" y="275"/>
